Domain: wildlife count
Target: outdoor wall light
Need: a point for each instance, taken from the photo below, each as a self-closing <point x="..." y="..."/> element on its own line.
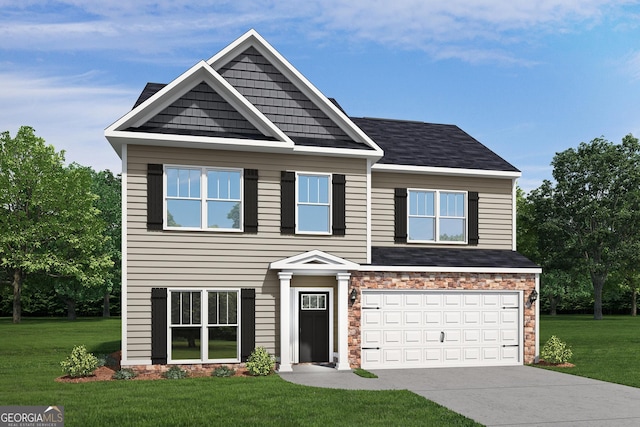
<point x="353" y="295"/>
<point x="533" y="296"/>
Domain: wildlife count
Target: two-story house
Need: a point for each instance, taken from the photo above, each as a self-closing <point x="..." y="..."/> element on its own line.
<point x="256" y="212"/>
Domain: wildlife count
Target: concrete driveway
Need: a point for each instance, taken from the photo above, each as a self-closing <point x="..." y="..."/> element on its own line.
<point x="498" y="396"/>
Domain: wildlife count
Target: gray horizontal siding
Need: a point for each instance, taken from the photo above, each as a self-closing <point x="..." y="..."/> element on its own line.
<point x="494" y="211"/>
<point x="203" y="259"/>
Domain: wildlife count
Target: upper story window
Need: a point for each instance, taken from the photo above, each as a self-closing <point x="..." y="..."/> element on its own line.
<point x="203" y="198"/>
<point x="313" y="207"/>
<point x="437" y="216"/>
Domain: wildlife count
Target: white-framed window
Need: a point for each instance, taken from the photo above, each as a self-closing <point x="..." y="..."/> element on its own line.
<point x="313" y="203"/>
<point x="200" y="198"/>
<point x="437" y="216"/>
<point x="204" y="325"/>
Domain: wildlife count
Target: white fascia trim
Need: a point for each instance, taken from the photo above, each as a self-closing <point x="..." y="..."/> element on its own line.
<point x="123" y="248"/>
<point x="514" y="216"/>
<point x="120" y="137"/>
<point x="314" y="261"/>
<point x="430" y="170"/>
<point x="252" y="38"/>
<point x="337" y="152"/>
<point x="187" y="81"/>
<point x="430" y="269"/>
<point x="369" y="163"/>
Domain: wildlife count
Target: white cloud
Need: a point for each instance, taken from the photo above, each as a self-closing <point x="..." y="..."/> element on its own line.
<point x="472" y="30"/>
<point x="70" y="113"/>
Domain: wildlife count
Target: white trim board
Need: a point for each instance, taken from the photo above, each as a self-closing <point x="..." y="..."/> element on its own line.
<point x="430" y="170"/>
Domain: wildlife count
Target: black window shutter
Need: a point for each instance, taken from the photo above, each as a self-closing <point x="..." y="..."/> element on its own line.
<point x="474" y="235"/>
<point x="247" y="322"/>
<point x="400" y="199"/>
<point x="287" y="202"/>
<point x="154" y="197"/>
<point x="339" y="200"/>
<point x="251" y="200"/>
<point x="159" y="328"/>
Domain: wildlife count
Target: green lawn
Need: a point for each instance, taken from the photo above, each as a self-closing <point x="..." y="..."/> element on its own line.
<point x="30" y="355"/>
<point x="607" y="349"/>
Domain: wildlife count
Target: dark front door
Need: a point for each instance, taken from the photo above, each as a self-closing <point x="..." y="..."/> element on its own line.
<point x="314" y="327"/>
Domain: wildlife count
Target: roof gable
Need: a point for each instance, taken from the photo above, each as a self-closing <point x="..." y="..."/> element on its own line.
<point x="202" y="111"/>
<point x="283" y="94"/>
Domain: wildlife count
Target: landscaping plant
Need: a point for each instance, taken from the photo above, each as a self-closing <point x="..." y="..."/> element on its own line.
<point x="175" y="373"/>
<point x="125" y="374"/>
<point x="260" y="362"/>
<point x="80" y="363"/>
<point x="223" y="371"/>
<point x="556" y="351"/>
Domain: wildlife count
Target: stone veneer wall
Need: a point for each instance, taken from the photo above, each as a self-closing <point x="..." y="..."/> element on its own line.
<point x="453" y="281"/>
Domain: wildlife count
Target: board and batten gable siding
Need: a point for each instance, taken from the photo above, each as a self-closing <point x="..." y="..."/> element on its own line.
<point x="204" y="259"/>
<point x="495" y="218"/>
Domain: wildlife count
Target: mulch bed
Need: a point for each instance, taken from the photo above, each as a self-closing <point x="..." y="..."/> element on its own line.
<point x="105" y="373"/>
<point x="556" y="365"/>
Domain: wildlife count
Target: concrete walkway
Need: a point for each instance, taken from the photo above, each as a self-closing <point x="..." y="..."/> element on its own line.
<point x="498" y="396"/>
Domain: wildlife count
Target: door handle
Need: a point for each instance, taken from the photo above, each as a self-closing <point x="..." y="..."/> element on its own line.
<point x="442" y="336"/>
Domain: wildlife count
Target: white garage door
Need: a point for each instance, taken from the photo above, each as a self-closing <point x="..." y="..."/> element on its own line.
<point x="408" y="329"/>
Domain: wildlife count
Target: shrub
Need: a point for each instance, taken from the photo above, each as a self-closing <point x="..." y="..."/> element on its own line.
<point x="556" y="351"/>
<point x="260" y="362"/>
<point x="106" y="360"/>
<point x="175" y="373"/>
<point x="125" y="374"/>
<point x="80" y="363"/>
<point x="223" y="371"/>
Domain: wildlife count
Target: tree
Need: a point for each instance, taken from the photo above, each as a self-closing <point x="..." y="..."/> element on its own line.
<point x="49" y="224"/>
<point x="591" y="215"/>
<point x="107" y="187"/>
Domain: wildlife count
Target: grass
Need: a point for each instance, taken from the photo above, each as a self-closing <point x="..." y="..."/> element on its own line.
<point x="607" y="349"/>
<point x="30" y="355"/>
<point x="364" y="373"/>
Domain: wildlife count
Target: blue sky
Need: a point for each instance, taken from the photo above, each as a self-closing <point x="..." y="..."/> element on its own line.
<point x="525" y="78"/>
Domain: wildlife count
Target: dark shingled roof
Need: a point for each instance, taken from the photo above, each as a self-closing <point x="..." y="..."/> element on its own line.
<point x="149" y="90"/>
<point x="403" y="142"/>
<point x="429" y="144"/>
<point x="449" y="257"/>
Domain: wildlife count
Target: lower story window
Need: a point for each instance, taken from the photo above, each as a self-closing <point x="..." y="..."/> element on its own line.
<point x="204" y="325"/>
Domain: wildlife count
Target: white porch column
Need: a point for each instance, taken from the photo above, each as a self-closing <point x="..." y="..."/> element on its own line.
<point x="343" y="321"/>
<point x="285" y="321"/>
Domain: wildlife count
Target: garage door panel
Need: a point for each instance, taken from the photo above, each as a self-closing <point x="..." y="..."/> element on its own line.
<point x="472" y="354"/>
<point x="472" y="335"/>
<point x="392" y="318"/>
<point x="393" y="337"/>
<point x="433" y="300"/>
<point x="491" y="353"/>
<point x="392" y="356"/>
<point x="433" y="318"/>
<point x="392" y="300"/>
<point x="452" y="336"/>
<point x="471" y="317"/>
<point x="413" y="318"/>
<point x="372" y="338"/>
<point x="371" y="318"/>
<point x="452" y="318"/>
<point x="441" y="328"/>
<point x="370" y="299"/>
<point x="452" y="354"/>
<point x="413" y="300"/>
<point x="413" y="356"/>
<point x="413" y="337"/>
